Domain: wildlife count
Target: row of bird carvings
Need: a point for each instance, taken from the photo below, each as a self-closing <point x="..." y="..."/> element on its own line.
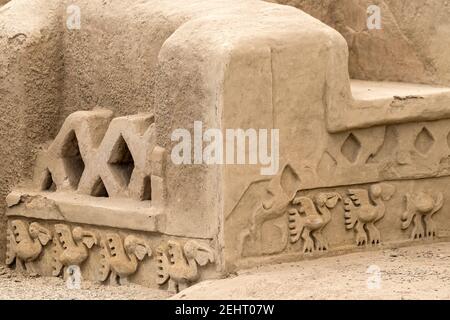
<point x="362" y="209"/>
<point x="177" y="264"/>
<point x="308" y="216"/>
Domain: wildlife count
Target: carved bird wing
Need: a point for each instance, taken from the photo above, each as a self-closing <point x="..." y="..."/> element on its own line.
<point x="10" y="247"/>
<point x="175" y="252"/>
<point x="105" y="267"/>
<point x="356" y="198"/>
<point x="359" y="197"/>
<point x="115" y="245"/>
<point x="295" y="225"/>
<point x="20" y="231"/>
<point x="142" y="250"/>
<point x="203" y="254"/>
<point x="57" y="250"/>
<point x="163" y="264"/>
<point x="61" y="240"/>
<point x="137" y="246"/>
<point x="64" y="236"/>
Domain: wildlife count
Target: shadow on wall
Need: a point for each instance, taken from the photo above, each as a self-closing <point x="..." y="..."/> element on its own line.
<point x="2" y="2"/>
<point x="409" y="47"/>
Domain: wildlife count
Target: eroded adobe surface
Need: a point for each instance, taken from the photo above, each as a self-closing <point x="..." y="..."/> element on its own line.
<point x="410" y="46"/>
<point x="186" y="61"/>
<point x="88" y="133"/>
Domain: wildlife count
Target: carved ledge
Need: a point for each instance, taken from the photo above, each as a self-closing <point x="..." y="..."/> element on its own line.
<point x="101" y="171"/>
<point x="77" y="208"/>
<point x="385" y="103"/>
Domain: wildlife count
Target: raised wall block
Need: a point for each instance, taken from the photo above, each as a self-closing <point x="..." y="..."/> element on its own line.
<point x="363" y="164"/>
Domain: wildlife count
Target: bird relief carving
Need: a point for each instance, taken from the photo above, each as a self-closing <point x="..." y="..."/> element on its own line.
<point x="363" y="208"/>
<point x="25" y="243"/>
<point x="309" y="220"/>
<point x="71" y="248"/>
<point x="420" y="208"/>
<point x="178" y="264"/>
<point x="120" y="259"/>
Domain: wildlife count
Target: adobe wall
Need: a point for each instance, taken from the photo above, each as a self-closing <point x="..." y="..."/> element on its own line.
<point x="30" y="82"/>
<point x="410" y="47"/>
<point x="175" y="70"/>
<point x="194" y="71"/>
<point x="230" y="64"/>
<point x="69" y="70"/>
<point x="184" y="62"/>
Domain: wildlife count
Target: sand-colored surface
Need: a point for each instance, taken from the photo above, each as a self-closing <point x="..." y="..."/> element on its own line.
<point x="419" y="272"/>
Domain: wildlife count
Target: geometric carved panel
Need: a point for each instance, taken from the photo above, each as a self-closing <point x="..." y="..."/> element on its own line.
<point x="424" y="141"/>
<point x="351" y="148"/>
<point x="98" y="155"/>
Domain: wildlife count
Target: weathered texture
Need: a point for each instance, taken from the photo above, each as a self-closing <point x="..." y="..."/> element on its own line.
<point x="361" y="163"/>
<point x="411" y="46"/>
<point x="30" y="81"/>
<point x="415" y="273"/>
<point x="18" y="286"/>
<point x="185" y="68"/>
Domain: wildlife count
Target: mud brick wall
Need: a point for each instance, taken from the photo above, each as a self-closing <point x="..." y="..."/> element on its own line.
<point x="412" y="45"/>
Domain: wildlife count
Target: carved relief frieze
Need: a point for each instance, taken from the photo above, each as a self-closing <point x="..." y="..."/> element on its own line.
<point x="25" y="244"/>
<point x="101" y="255"/>
<point x="363" y="208"/>
<point x="308" y="221"/>
<point x="268" y="214"/>
<point x="178" y="264"/>
<point x="120" y="259"/>
<point x="420" y="208"/>
<point x="409" y="150"/>
<point x="347" y="150"/>
<point x="71" y="247"/>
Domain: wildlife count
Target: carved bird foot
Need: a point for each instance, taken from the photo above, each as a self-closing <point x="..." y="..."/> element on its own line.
<point x="124" y="281"/>
<point x="430" y="227"/>
<point x="308" y="247"/>
<point x="321" y="243"/>
<point x="418" y="232"/>
<point x="173" y="286"/>
<point x="20" y="266"/>
<point x="374" y="235"/>
<point x="361" y="239"/>
<point x="321" y="247"/>
<point x="113" y="279"/>
<point x="29" y="266"/>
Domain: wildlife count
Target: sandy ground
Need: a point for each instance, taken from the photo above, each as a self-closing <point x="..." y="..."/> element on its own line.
<point x="421" y="272"/>
<point x="19" y="287"/>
